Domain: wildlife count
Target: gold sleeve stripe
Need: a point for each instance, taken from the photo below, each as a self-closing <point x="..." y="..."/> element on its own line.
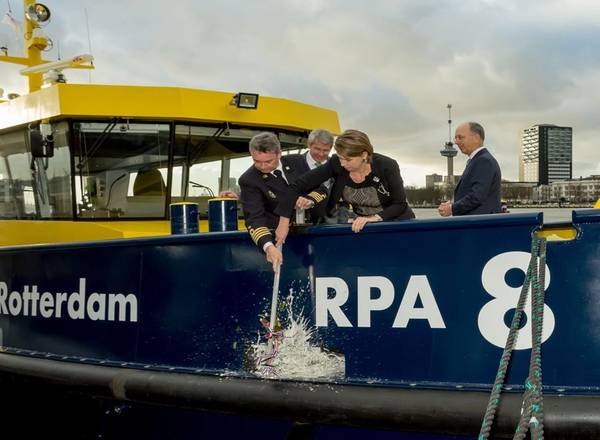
<point x="260" y="232"/>
<point x="257" y="233"/>
<point x="256" y="238"/>
<point x="317" y="196"/>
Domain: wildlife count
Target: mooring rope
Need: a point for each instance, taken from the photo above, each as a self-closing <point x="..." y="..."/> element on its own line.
<point x="531" y="412"/>
<point x="532" y="416"/>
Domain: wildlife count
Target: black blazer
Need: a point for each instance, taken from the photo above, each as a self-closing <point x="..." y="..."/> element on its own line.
<point x="262" y="193"/>
<point x="385" y="177"/>
<point x="478" y="190"/>
<point x="297" y="162"/>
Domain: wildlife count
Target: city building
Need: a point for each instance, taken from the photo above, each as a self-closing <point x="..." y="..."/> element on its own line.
<point x="455" y="179"/>
<point x="546" y="154"/>
<point x="439" y="181"/>
<point x="518" y="192"/>
<point x="432" y="179"/>
<point x="583" y="190"/>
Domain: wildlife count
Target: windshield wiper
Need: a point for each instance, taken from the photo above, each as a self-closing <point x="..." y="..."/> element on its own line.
<point x="98" y="143"/>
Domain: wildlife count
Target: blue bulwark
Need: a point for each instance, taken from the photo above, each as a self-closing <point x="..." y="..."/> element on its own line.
<point x="423" y="303"/>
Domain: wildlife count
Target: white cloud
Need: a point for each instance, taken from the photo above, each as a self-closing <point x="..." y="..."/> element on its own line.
<point x="389" y="68"/>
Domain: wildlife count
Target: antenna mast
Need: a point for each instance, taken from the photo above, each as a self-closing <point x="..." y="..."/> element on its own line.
<point x="87" y="25"/>
<point x="35" y="42"/>
<point x="449" y="107"/>
<point x="449" y="152"/>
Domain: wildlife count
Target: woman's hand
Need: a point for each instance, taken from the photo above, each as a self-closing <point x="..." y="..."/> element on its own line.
<point x="359" y="222"/>
<point x="274" y="256"/>
<point x="282" y="231"/>
<point x="304" y="203"/>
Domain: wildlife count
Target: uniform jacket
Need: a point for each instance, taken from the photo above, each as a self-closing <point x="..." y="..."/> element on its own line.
<point x="385" y="177"/>
<point x="478" y="190"/>
<point x="261" y="193"/>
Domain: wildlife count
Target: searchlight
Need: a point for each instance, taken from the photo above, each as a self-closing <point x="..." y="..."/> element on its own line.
<point x="37" y="13"/>
<point x="245" y="100"/>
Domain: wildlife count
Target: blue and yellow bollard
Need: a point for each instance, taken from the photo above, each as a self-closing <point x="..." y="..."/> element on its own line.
<point x="184" y="218"/>
<point x="222" y="214"/>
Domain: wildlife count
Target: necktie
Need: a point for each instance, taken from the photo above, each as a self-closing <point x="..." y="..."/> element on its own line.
<point x="277" y="173"/>
<point x="319" y="163"/>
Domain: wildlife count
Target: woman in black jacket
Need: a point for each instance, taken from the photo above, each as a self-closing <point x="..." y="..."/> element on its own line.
<point x="367" y="181"/>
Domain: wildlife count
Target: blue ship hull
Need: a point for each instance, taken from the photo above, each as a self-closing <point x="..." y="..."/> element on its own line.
<point x="419" y="311"/>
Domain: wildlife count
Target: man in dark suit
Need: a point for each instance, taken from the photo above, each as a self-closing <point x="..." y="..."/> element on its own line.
<point x="319" y="143"/>
<point x="263" y="186"/>
<point x="478" y="190"/>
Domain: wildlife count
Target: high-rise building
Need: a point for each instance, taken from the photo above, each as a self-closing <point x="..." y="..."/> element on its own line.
<point x="432" y="179"/>
<point x="546" y="154"/>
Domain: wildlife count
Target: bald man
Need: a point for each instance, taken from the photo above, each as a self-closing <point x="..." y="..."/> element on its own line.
<point x="478" y="190"/>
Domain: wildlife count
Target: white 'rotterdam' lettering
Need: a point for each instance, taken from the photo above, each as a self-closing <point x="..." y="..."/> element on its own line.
<point x="77" y="305"/>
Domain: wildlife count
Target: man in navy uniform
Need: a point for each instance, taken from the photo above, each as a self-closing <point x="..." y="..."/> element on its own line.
<point x="319" y="143"/>
<point x="478" y="190"/>
<point x="263" y="185"/>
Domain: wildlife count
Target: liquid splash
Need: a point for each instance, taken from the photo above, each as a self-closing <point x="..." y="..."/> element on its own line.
<point x="292" y="352"/>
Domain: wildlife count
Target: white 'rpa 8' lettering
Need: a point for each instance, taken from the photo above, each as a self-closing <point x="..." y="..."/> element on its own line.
<point x="505" y="298"/>
<point x="417" y="287"/>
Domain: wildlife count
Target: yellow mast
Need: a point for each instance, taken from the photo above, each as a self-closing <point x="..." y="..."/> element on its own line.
<point x="33" y="48"/>
<point x="34" y="43"/>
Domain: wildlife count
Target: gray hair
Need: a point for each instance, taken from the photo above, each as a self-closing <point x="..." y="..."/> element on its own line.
<point x="321" y="135"/>
<point x="477" y="129"/>
<point x="265" y="142"/>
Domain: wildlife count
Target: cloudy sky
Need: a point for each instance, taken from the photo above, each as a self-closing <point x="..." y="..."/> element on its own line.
<point x="388" y="67"/>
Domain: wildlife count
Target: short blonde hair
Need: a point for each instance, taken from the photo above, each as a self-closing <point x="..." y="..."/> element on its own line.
<point x="352" y="143"/>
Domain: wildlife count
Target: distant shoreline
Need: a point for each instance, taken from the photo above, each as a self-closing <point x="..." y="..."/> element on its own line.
<point x="543" y="206"/>
<point x="552" y="213"/>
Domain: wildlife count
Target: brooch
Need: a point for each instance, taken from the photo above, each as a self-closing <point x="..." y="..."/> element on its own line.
<point x="382" y="189"/>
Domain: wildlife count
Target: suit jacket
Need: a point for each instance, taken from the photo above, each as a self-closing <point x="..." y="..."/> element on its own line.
<point x="261" y="193"/>
<point x="385" y="177"/>
<point x="478" y="190"/>
<point x="318" y="212"/>
<point x="298" y="161"/>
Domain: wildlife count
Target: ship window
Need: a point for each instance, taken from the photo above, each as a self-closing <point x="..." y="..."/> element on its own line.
<point x="16" y="193"/>
<point x="202" y="157"/>
<point x="58" y="175"/>
<point x="209" y="159"/>
<point x="39" y="188"/>
<point x="121" y="169"/>
<point x="204" y="179"/>
<point x="238" y="167"/>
